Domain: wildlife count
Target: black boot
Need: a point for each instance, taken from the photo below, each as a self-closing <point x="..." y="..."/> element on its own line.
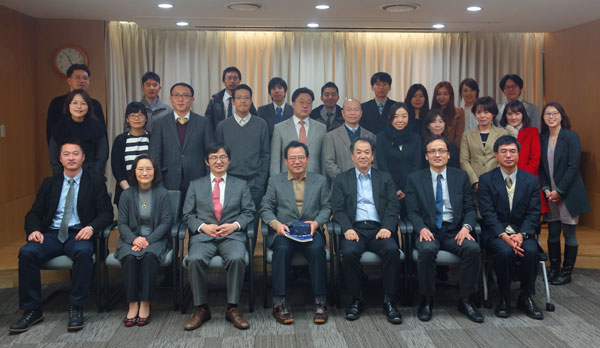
<point x="554" y="255"/>
<point x="565" y="274"/>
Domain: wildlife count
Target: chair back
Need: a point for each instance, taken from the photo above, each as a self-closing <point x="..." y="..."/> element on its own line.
<point x="175" y="206"/>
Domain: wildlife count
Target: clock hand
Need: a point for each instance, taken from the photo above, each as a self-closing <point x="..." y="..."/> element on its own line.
<point x="66" y="55"/>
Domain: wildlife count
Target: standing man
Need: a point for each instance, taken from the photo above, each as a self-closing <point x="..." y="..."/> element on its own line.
<point x="366" y="206"/>
<point x="509" y="202"/>
<point x="512" y="86"/>
<point x="278" y="110"/>
<point x="69" y="211"/>
<point x="330" y="114"/>
<point x="155" y="108"/>
<point x="178" y="141"/>
<point x="300" y="128"/>
<point x="336" y="146"/>
<point x="439" y="203"/>
<point x="220" y="105"/>
<point x="78" y="77"/>
<point x="376" y="111"/>
<point x="217" y="227"/>
<point x="303" y="196"/>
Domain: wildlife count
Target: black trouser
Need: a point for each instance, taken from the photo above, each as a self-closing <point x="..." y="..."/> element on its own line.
<point x="139" y="276"/>
<point x="504" y="259"/>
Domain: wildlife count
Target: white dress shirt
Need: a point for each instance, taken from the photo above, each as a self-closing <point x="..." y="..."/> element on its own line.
<point x="297" y="124"/>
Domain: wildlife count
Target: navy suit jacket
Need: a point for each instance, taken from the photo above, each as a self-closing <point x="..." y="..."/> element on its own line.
<point x="371" y="119"/>
<point x="267" y="113"/>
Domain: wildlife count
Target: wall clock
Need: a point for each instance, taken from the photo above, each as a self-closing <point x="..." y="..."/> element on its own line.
<point x="67" y="55"/>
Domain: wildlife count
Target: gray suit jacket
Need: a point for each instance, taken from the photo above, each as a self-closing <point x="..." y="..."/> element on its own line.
<point x="198" y="207"/>
<point x="336" y="151"/>
<point x="279" y="203"/>
<point x="285" y="132"/>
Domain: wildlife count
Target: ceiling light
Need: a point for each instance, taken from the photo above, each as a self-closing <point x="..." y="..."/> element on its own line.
<point x="165" y="5"/>
<point x="399" y="7"/>
<point x="183" y="24"/>
<point x="322" y="7"/>
<point x="244" y="6"/>
<point x="474" y="8"/>
<point x="313" y="25"/>
<point x="438" y="26"/>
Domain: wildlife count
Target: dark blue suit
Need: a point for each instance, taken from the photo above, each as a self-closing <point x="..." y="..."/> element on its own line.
<point x="371" y="120"/>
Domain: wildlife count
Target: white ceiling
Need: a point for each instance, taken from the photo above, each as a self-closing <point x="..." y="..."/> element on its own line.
<point x="497" y="15"/>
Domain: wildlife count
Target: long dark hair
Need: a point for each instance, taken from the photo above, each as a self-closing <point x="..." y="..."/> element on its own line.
<point x="86" y="98"/>
<point x="133" y="179"/>
<point x="410" y="94"/>
<point x="450" y="109"/>
<point x="515" y="106"/>
<point x="565" y="122"/>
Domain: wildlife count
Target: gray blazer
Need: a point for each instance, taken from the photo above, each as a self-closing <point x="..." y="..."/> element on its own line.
<point x="285" y="131"/>
<point x="129" y="223"/>
<point x="336" y="151"/>
<point x="198" y="207"/>
<point x="279" y="203"/>
<point x="180" y="164"/>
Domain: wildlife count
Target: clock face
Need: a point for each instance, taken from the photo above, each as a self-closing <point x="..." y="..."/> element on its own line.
<point x="67" y="56"/>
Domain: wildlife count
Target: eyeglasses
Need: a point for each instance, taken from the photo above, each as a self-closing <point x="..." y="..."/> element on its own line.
<point x="147" y="170"/>
<point x="243" y="98"/>
<point x="231" y="78"/>
<point x="304" y="102"/>
<point x="181" y="96"/>
<point x="221" y="158"/>
<point x="438" y="151"/>
<point x="80" y="77"/>
<point x="511" y="87"/>
<point x="294" y="158"/>
<point x="136" y="116"/>
<point x="511" y="151"/>
<point x="551" y="114"/>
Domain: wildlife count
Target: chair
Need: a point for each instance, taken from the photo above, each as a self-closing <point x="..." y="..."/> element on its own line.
<point x="298" y="260"/>
<point x="111" y="262"/>
<point x="216" y="263"/>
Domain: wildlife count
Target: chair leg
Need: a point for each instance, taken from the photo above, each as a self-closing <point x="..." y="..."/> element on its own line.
<point x="265" y="284"/>
<point x="549" y="305"/>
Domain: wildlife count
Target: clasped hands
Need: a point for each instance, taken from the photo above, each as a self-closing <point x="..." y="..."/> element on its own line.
<point x="219" y="230"/>
<point x="552" y="196"/>
<point x="515" y="241"/>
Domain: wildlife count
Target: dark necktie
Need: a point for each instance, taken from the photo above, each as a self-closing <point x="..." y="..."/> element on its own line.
<point x="229" y="109"/>
<point x="63" y="232"/>
<point x="329" y="119"/>
<point x="279" y="114"/>
<point x="216" y="198"/>
<point x="380" y="107"/>
<point x="439" y="202"/>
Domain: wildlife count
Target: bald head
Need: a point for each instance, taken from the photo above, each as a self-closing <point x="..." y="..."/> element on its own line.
<point x="352" y="112"/>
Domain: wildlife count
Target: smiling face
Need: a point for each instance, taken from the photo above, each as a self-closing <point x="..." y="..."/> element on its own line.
<point x="400" y="119"/>
<point x="352" y="112"/>
<point x="507" y="157"/>
<point x="437" y="126"/>
<point x="418" y="100"/>
<point x="484" y="117"/>
<point x="181" y="99"/>
<point x="552" y="117"/>
<point x="469" y="95"/>
<point x="136" y="120"/>
<point x="218" y="162"/>
<point x="437" y="155"/>
<point x="443" y="96"/>
<point x="514" y="118"/>
<point x="296" y="161"/>
<point x="362" y="156"/>
<point x="277" y="94"/>
<point x="302" y="105"/>
<point x="71" y="158"/>
<point x="78" y="108"/>
<point x="144" y="173"/>
<point x="330" y="97"/>
<point x="511" y="90"/>
<point x="150" y="88"/>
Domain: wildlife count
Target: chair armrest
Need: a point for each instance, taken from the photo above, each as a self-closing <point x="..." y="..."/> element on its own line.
<point x="336" y="229"/>
<point x="181" y="231"/>
<point x="106" y="230"/>
<point x="477" y="229"/>
<point x="250" y="230"/>
<point x="264" y="229"/>
<point x="175" y="229"/>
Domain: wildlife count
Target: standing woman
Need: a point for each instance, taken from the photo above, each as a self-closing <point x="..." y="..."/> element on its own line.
<point x="563" y="187"/>
<point x="468" y="90"/>
<point x="128" y="145"/>
<point x="455" y="117"/>
<point x="417" y="105"/>
<point x="144" y="220"/>
<point x="435" y="124"/>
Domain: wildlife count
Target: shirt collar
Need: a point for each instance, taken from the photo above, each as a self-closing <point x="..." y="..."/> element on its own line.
<point x="434" y="174"/>
<point x="513" y="176"/>
<point x="151" y="104"/>
<point x="291" y="177"/>
<point x="352" y="129"/>
<point x="383" y="102"/>
<point x="212" y="178"/>
<point x="226" y="95"/>
<point x="240" y="119"/>
<point x="275" y="106"/>
<point x="187" y="116"/>
<point x="297" y="120"/>
<point x="358" y="173"/>
<point x="77" y="177"/>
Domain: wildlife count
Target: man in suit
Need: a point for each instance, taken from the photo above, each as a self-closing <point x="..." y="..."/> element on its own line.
<point x="376" y="111"/>
<point x="155" y="108"/>
<point x="220" y="105"/>
<point x="69" y="210"/>
<point x="512" y="86"/>
<point x="297" y="196"/>
<point x="178" y="141"/>
<point x="336" y="145"/>
<point x="78" y="77"/>
<point x="217" y="227"/>
<point x="300" y="128"/>
<point x="439" y="203"/>
<point x="365" y="205"/>
<point x="278" y="110"/>
<point x="329" y="113"/>
<point x="509" y="202"/>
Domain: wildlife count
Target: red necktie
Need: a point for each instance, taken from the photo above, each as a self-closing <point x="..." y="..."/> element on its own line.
<point x="216" y="197"/>
<point x="302" y="135"/>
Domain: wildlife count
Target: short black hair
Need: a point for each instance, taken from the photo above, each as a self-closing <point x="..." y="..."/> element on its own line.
<point x="381" y="77"/>
<point x="134" y="107"/>
<point x="232" y="69"/>
<point x="487" y="103"/>
<point x="73" y="141"/>
<point x="277" y="81"/>
<point x="515" y="106"/>
<point x="293" y="144"/>
<point x="214" y="148"/>
<point x="506" y="140"/>
<point x="514" y="77"/>
<point x="184" y="85"/>
<point x="150" y="75"/>
<point x="242" y="86"/>
<point x="364" y="139"/>
<point x="434" y="138"/>
<point x="471" y="83"/>
<point x="395" y="107"/>
<point x="74" y="67"/>
<point x="330" y="85"/>
<point x="301" y="90"/>
<point x="132" y="179"/>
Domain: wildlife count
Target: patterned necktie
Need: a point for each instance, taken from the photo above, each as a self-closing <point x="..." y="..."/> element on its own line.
<point x="302" y="135"/>
<point x="229" y="109"/>
<point x="439" y="202"/>
<point x="329" y="119"/>
<point x="181" y="120"/>
<point x="63" y="232"/>
<point x="216" y="198"/>
<point x="279" y="113"/>
<point x="380" y="107"/>
<point x="508" y="182"/>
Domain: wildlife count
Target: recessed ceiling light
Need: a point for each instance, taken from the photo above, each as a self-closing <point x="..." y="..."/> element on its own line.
<point x="438" y="26"/>
<point x="474" y="8"/>
<point x="399" y="7"/>
<point x="322" y="7"/>
<point x="183" y="23"/>
<point x="165" y="5"/>
<point x="244" y="6"/>
<point x="313" y="25"/>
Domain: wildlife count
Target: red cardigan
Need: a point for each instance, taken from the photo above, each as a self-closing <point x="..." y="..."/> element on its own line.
<point x="529" y="156"/>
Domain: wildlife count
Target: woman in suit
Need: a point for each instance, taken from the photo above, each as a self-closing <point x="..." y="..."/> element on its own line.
<point x="477" y="145"/>
<point x="468" y="90"/>
<point x="398" y="149"/>
<point x="563" y="187"/>
<point x="79" y="121"/>
<point x="144" y="220"/>
<point x="417" y="105"/>
<point x="435" y="124"/>
<point x="443" y="98"/>
<point x="128" y="145"/>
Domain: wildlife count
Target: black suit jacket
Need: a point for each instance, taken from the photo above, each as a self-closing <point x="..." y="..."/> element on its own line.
<point x="344" y="197"/>
<point x="420" y="199"/>
<point x="215" y="111"/>
<point x="93" y="204"/>
<point x="55" y="113"/>
<point x="337" y="121"/>
<point x="267" y="113"/>
<point x="495" y="211"/>
<point x="371" y="119"/>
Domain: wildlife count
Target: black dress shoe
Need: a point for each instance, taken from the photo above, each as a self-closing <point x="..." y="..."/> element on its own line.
<point x="75" y="318"/>
<point x="356" y="308"/>
<point x="425" y="308"/>
<point x="502" y="309"/>
<point x="526" y="304"/>
<point x="391" y="312"/>
<point x="28" y="319"/>
<point x="466" y="307"/>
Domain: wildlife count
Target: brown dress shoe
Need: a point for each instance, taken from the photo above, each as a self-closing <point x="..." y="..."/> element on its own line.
<point x="282" y="314"/>
<point x="199" y="316"/>
<point x="320" y="313"/>
<point x="234" y="315"/>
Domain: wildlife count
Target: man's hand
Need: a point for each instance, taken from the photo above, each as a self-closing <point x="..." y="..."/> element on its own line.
<point x="281" y="228"/>
<point x="140" y="243"/>
<point x="351" y="235"/>
<point x="36" y="237"/>
<point x="400" y="194"/>
<point x="517" y="239"/>
<point x="463" y="234"/>
<point x="313" y="226"/>
<point x="383" y="234"/>
<point x="84" y="233"/>
<point x="210" y="229"/>
<point x="476" y="187"/>
<point x="425" y="235"/>
<point x="226" y="229"/>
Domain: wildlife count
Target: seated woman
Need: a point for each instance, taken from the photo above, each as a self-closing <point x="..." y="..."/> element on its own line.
<point x="79" y="121"/>
<point x="144" y="222"/>
<point x="435" y="124"/>
<point x="417" y="105"/>
<point x="443" y="98"/>
<point x="128" y="145"/>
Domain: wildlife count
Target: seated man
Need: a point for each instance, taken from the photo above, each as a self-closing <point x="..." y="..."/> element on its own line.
<point x="68" y="211"/>
<point x="509" y="202"/>
<point x="366" y="206"/>
<point x="439" y="204"/>
<point x="297" y="195"/>
<point x="217" y="226"/>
